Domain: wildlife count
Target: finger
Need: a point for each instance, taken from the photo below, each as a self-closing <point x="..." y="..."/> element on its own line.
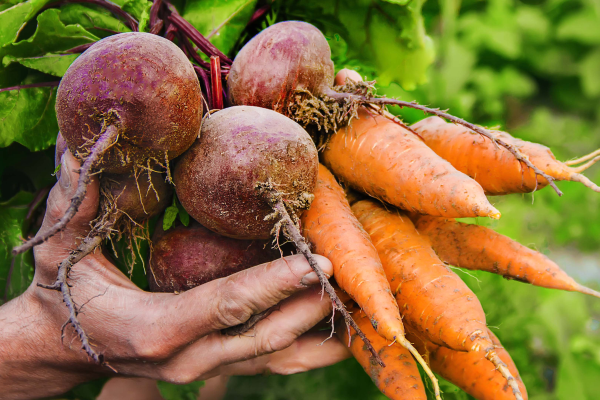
<point x="278" y="331"/>
<point x="222" y="303"/>
<point x="340" y="77"/>
<point x="59" y="150"/>
<point x="58" y="246"/>
<point x="310" y="351"/>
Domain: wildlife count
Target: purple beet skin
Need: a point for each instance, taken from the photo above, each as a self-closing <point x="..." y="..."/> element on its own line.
<point x="139" y="82"/>
<point x="241" y="147"/>
<point x="285" y="57"/>
<point x="185" y="257"/>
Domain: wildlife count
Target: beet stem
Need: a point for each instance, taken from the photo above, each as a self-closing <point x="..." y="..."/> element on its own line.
<point x="31" y="85"/>
<point x="436" y="111"/>
<point x="292" y="232"/>
<point x="154" y="15"/>
<point x="115" y="9"/>
<point x="195" y="36"/>
<point x="61" y="285"/>
<point x="215" y="78"/>
<point x="106" y="140"/>
<point x="80" y="48"/>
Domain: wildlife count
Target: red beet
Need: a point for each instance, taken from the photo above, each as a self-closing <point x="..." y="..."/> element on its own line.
<point x="139" y="82"/>
<point x="185" y="257"/>
<point x="241" y="147"/>
<point x="129" y="100"/>
<point x="285" y="57"/>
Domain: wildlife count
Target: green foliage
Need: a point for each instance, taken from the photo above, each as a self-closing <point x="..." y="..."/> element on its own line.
<point x="15" y="272"/>
<point x="221" y="21"/>
<point x="170" y="391"/>
<point x="13" y="19"/>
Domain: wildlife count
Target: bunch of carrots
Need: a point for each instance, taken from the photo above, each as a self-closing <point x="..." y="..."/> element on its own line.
<point x="391" y="236"/>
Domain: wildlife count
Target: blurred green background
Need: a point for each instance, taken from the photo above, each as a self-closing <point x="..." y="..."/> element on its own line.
<point x="529" y="67"/>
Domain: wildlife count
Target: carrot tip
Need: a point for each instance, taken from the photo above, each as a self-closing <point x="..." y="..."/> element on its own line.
<point x="407" y="345"/>
<point x="582" y="179"/>
<point x="587" y="290"/>
<point x="495" y="214"/>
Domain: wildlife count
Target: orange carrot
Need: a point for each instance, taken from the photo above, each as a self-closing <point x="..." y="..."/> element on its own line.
<point x="479" y="248"/>
<point x="494" y="167"/>
<point x="334" y="232"/>
<point x="432" y="298"/>
<point x="469" y="371"/>
<point x="379" y="157"/>
<point x="399" y="379"/>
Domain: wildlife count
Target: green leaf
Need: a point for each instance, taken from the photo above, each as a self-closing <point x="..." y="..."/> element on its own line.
<point x="589" y="71"/>
<point x="95" y="20"/>
<point x="134" y="7"/>
<point x="171" y="391"/>
<point x="582" y="27"/>
<point x="170" y="215"/>
<point x="27" y="116"/>
<point x="51" y="36"/>
<point x="52" y="64"/>
<point x="403" y="57"/>
<point x="15" y="273"/>
<point x="223" y="19"/>
<point x="13" y="19"/>
<point x="145" y="18"/>
<point x="394" y="40"/>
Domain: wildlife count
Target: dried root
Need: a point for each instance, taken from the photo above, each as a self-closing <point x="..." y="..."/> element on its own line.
<point x="287" y="223"/>
<point x="107" y="139"/>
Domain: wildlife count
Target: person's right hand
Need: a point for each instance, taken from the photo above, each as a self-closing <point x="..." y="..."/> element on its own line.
<point x="173" y="338"/>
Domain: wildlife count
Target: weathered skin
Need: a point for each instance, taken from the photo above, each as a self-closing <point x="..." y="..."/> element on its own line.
<point x="142" y="83"/>
<point x="186" y="257"/>
<point x="284" y="57"/>
<point x="129" y="193"/>
<point x="240" y="147"/>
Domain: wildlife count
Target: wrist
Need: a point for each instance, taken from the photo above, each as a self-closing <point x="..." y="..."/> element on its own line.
<point x="33" y="360"/>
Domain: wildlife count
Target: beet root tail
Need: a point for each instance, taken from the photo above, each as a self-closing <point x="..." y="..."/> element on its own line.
<point x="286" y="224"/>
<point x="105" y="141"/>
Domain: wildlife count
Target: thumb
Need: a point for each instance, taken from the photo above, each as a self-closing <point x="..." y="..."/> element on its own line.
<point x="340" y="77"/>
<point x="59" y="200"/>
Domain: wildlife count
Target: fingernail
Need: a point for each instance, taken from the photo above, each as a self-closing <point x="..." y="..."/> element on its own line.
<point x="309" y="279"/>
<point x="65" y="177"/>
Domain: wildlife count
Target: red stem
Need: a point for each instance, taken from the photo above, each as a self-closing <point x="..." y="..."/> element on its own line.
<point x="215" y="78"/>
<point x="31" y="85"/>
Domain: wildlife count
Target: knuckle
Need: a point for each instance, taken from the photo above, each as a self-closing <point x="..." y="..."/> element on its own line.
<point x="178" y="377"/>
<point x="229" y="309"/>
<point x="275" y="341"/>
<point x="153" y="351"/>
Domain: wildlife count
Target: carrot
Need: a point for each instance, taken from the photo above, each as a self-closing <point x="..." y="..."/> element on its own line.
<point x="479" y="248"/>
<point x="334" y="232"/>
<point x="381" y="158"/>
<point x="495" y="167"/>
<point x="432" y="298"/>
<point x="399" y="379"/>
<point x="469" y="371"/>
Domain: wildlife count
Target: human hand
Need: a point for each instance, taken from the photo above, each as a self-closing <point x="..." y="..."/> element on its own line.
<point x="174" y="338"/>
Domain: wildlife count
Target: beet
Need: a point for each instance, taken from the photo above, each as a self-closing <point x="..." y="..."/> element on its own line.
<point x="283" y="58"/>
<point x="139" y="82"/>
<point x="141" y="197"/>
<point x="129" y="100"/>
<point x="186" y="257"/>
<point x="239" y="148"/>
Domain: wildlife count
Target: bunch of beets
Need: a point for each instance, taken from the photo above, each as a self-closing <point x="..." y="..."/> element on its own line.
<point x="326" y="168"/>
